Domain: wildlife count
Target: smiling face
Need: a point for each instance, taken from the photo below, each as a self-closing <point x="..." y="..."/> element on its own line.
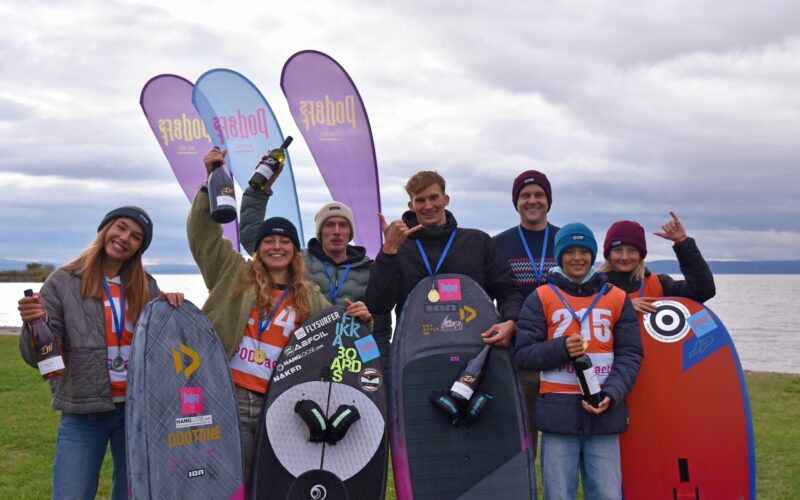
<point x="335" y="234"/>
<point x="576" y="263"/>
<point x="276" y="252"/>
<point x="123" y="239"/>
<point x="532" y="206"/>
<point x="429" y="204"/>
<point x="624" y="258"/>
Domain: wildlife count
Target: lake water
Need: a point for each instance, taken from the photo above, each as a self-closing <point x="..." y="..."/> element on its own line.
<point x="759" y="311"/>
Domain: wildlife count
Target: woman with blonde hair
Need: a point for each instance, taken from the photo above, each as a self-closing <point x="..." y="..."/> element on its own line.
<point x="254" y="305"/>
<point x="625" y="249"/>
<point x="91" y="305"/>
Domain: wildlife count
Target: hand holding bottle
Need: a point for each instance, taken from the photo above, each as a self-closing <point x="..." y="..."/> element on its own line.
<point x="601" y="407"/>
<point x="575" y="346"/>
<point x="31" y="308"/>
<point x="269" y="167"/>
<point x="213" y="158"/>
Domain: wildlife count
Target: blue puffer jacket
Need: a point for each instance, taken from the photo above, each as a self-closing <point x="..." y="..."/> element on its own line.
<point x="563" y="413"/>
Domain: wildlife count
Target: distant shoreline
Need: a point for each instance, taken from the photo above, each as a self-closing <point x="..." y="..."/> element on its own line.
<point x="10" y="330"/>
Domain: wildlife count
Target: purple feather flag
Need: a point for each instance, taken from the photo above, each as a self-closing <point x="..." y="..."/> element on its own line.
<point x="328" y="110"/>
<point x="167" y="104"/>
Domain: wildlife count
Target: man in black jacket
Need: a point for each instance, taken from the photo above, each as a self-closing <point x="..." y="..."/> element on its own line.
<point x="427" y="228"/>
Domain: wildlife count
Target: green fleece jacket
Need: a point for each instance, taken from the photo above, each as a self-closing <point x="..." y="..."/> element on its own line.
<point x="223" y="270"/>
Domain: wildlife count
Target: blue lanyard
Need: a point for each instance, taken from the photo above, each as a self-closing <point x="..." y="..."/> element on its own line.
<point x="441" y="259"/>
<point x="335" y="289"/>
<point x="119" y="319"/>
<point x="641" y="289"/>
<point x="594" y="302"/>
<point x="536" y="272"/>
<point x="264" y="325"/>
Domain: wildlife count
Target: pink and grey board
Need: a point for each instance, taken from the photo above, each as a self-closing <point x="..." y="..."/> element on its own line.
<point x="181" y="424"/>
<point x="332" y="359"/>
<point x="691" y="433"/>
<point x="432" y="459"/>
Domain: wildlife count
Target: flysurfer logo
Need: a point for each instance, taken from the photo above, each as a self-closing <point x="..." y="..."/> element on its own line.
<point x="193" y="355"/>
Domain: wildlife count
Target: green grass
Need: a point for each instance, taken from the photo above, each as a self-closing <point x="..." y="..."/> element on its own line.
<point x="28" y="432"/>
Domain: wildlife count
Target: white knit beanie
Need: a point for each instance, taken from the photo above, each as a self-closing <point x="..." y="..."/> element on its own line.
<point x="334" y="209"/>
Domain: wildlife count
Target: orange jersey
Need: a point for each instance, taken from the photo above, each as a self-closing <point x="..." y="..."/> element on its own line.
<point x="597" y="328"/>
<point x="652" y="288"/>
<point x="246" y="371"/>
<point x="115" y="348"/>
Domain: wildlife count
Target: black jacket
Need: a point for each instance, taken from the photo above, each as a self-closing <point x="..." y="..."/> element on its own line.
<point x="698" y="283"/>
<point x="473" y="253"/>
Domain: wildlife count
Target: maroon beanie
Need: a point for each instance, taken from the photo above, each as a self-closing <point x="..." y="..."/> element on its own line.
<point x="625" y="232"/>
<point x="531" y="177"/>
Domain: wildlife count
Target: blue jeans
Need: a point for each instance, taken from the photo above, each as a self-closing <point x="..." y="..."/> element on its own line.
<point x="81" y="446"/>
<point x="597" y="458"/>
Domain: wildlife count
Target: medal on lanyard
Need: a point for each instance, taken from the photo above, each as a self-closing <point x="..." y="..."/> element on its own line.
<point x="335" y="288"/>
<point x="117" y="364"/>
<point x="260" y="356"/>
<point x="536" y="272"/>
<point x="433" y="294"/>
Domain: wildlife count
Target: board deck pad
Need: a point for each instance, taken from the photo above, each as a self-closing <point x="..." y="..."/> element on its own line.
<point x="691" y="432"/>
<point x="331" y="359"/>
<point x="182" y="425"/>
<point x="431" y="458"/>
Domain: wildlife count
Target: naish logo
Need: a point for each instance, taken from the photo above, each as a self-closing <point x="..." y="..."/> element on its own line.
<point x="241" y="125"/>
<point x="329" y="112"/>
<point x="182" y="129"/>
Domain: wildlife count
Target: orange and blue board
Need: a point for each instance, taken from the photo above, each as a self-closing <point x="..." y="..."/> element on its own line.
<point x="691" y="431"/>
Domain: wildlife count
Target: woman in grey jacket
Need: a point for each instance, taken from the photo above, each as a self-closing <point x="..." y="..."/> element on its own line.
<point x="91" y="305"/>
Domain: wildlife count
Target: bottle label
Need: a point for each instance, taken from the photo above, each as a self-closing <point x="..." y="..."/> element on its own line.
<point x="223" y="200"/>
<point x="462" y="390"/>
<point x="591" y="380"/>
<point x="265" y="171"/>
<point x="51" y="364"/>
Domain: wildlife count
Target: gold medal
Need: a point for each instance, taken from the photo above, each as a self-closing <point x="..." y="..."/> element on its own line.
<point x="433" y="295"/>
<point x="259" y="356"/>
<point x="585" y="345"/>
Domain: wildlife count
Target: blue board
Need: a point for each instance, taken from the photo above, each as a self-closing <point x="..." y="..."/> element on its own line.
<point x="491" y="459"/>
<point x="182" y="425"/>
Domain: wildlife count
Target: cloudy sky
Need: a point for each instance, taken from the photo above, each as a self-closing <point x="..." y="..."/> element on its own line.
<point x="631" y="108"/>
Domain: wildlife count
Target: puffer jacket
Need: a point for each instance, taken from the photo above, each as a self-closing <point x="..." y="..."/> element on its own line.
<point x="223" y="269"/>
<point x="79" y="323"/>
<point x="563" y="413"/>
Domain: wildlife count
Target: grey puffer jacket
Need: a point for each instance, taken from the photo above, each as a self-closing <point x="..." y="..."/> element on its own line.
<point x="80" y="324"/>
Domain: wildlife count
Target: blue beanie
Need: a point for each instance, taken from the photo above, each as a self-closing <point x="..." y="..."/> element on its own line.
<point x="572" y="235"/>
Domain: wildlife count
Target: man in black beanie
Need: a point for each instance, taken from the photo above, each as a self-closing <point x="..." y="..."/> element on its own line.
<point x="528" y="248"/>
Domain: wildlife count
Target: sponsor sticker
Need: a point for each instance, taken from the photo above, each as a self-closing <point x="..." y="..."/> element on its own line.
<point x="183" y="422"/>
<point x="194" y="436"/>
<point x="367" y="348"/>
<point x="196" y="473"/>
<point x="347" y="327"/>
<point x="285" y="373"/>
<point x="370" y="379"/>
<point x="346" y="360"/>
<point x="449" y="325"/>
<point x="191" y="400"/>
<point x="668" y="324"/>
<point x="449" y="290"/>
<point x="467" y="314"/>
<point x="437" y="308"/>
<point x="702" y="323"/>
<point x="194" y="360"/>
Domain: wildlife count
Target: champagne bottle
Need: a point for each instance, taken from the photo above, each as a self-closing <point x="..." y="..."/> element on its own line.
<point x="470" y="377"/>
<point x="49" y="355"/>
<point x="221" y="194"/>
<point x="587" y="378"/>
<point x="268" y="165"/>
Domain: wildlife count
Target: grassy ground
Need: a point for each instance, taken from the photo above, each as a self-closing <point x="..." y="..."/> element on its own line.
<point x="29" y="429"/>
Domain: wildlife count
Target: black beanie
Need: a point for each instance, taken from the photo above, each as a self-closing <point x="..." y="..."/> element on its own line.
<point x="136" y="214"/>
<point x="277" y="225"/>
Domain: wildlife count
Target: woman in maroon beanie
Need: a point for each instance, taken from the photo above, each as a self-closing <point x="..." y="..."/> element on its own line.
<point x="625" y="249"/>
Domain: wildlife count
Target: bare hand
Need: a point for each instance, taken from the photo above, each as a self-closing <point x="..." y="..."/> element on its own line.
<point x="673" y="230"/>
<point x="30" y="308"/>
<point x="175" y="299"/>
<point x="212" y="157"/>
<point x="603" y="406"/>
<point x="358" y="309"/>
<point x="395" y="234"/>
<point x="574" y="345"/>
<point x="500" y="334"/>
<point x="643" y="305"/>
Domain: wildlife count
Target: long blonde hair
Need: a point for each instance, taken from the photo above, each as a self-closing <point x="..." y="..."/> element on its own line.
<point x="89" y="264"/>
<point x="299" y="286"/>
<point x="636" y="275"/>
